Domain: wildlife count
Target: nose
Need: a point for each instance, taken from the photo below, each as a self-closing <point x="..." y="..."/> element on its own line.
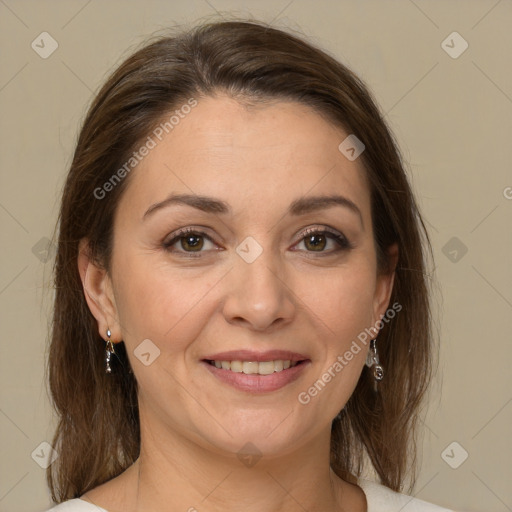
<point x="258" y="295"/>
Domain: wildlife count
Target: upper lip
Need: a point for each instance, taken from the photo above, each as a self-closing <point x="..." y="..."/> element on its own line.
<point x="251" y="355"/>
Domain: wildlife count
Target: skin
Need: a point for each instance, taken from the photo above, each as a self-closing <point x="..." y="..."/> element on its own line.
<point x="258" y="160"/>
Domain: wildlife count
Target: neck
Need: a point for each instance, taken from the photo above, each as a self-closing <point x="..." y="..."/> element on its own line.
<point x="174" y="473"/>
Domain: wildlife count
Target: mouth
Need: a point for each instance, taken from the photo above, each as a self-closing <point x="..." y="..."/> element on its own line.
<point x="256" y="372"/>
<point x="255" y="367"/>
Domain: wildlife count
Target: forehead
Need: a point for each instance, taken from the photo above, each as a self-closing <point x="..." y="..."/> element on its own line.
<point x="266" y="154"/>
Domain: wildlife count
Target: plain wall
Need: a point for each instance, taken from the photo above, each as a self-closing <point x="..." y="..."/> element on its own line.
<point x="452" y="118"/>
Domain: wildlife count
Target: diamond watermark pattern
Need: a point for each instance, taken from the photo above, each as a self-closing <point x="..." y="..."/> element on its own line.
<point x="147" y="352"/>
<point x="249" y="249"/>
<point x="454" y="45"/>
<point x="454" y="249"/>
<point x="44" y="455"/>
<point x="351" y="147"/>
<point x="44" y="250"/>
<point x="44" y="45"/>
<point x="454" y="455"/>
<point x="249" y="455"/>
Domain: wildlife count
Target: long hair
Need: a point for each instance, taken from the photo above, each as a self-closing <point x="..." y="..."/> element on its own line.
<point x="98" y="432"/>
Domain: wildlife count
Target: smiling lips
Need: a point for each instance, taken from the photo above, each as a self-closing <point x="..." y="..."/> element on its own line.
<point x="251" y="367"/>
<point x="256" y="372"/>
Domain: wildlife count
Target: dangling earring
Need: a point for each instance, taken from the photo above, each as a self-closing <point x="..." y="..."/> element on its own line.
<point x="372" y="361"/>
<point x="108" y="352"/>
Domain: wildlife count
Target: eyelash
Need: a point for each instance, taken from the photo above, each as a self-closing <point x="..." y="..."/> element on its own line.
<point x="340" y="239"/>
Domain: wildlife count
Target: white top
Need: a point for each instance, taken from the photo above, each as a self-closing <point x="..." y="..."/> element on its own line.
<point x="378" y="497"/>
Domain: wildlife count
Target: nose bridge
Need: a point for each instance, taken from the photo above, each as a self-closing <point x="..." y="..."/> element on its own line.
<point x="261" y="276"/>
<point x="258" y="292"/>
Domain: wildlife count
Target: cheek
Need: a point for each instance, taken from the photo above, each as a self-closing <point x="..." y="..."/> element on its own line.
<point x="165" y="306"/>
<point x="342" y="309"/>
<point x="341" y="301"/>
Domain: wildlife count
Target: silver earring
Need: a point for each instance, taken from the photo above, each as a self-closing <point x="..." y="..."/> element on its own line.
<point x="108" y="352"/>
<point x="372" y="361"/>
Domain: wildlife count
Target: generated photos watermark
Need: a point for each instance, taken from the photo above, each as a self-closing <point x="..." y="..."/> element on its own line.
<point x="151" y="142"/>
<point x="342" y="361"/>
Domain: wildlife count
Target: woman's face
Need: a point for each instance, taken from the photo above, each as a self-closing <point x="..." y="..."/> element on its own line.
<point x="271" y="275"/>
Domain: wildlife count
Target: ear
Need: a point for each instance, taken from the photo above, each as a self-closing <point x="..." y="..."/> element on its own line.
<point x="384" y="285"/>
<point x="98" y="293"/>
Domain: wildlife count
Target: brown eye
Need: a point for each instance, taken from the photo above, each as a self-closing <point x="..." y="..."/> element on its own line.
<point x="188" y="242"/>
<point x="192" y="242"/>
<point x="315" y="242"/>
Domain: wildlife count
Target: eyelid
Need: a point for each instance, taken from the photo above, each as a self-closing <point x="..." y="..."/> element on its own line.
<point x="321" y="229"/>
<point x="199" y="230"/>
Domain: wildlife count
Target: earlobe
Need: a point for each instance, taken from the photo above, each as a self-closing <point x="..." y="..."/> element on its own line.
<point x="98" y="292"/>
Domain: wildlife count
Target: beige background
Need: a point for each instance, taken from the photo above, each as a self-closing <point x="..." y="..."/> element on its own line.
<point x="452" y="117"/>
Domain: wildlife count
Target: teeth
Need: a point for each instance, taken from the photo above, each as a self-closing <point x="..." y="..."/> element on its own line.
<point x="249" y="367"/>
<point x="236" y="366"/>
<point x="266" y="367"/>
<point x="253" y="367"/>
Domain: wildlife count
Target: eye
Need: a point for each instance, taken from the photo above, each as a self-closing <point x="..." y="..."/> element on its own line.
<point x="191" y="242"/>
<point x="188" y="241"/>
<point x="316" y="240"/>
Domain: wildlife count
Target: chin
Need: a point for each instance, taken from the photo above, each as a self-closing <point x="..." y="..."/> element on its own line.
<point x="260" y="433"/>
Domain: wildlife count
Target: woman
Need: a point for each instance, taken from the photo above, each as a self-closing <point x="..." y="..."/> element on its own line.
<point x="236" y="231"/>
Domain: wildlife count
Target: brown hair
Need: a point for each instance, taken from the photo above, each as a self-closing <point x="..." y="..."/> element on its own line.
<point x="98" y="434"/>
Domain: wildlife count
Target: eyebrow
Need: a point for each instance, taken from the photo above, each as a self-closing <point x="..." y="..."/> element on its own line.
<point x="298" y="207"/>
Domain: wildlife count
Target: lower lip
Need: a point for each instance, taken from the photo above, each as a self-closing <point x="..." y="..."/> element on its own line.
<point x="255" y="383"/>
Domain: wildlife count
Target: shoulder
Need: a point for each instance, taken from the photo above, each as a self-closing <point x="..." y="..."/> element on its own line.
<point x="76" y="505"/>
<point x="383" y="499"/>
